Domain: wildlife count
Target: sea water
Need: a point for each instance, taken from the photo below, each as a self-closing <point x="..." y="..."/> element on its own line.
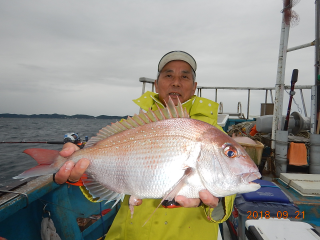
<point x="12" y="159"/>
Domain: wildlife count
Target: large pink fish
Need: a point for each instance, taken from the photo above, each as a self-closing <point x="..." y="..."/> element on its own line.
<point x="158" y="154"/>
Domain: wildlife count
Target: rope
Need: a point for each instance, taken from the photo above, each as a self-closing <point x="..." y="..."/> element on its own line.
<point x="242" y="129"/>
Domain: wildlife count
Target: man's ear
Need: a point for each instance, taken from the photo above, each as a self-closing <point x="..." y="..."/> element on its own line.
<point x="194" y="87"/>
<point x="156" y="85"/>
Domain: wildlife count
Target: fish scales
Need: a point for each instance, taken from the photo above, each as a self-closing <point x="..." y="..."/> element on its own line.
<point x="146" y="161"/>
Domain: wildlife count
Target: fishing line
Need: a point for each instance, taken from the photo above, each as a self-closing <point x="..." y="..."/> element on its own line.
<point x="42" y="201"/>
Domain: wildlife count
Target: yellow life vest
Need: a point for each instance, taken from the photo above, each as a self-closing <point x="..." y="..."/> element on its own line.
<point x="198" y="108"/>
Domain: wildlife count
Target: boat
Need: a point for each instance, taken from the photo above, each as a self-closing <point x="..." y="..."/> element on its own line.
<point x="23" y="208"/>
<point x="73" y="215"/>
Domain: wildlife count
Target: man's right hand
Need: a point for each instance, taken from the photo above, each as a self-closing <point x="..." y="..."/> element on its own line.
<point x="70" y="171"/>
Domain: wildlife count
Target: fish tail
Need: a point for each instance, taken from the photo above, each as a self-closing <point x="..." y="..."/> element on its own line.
<point x="49" y="162"/>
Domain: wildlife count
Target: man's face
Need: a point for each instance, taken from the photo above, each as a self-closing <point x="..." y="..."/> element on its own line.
<point x="175" y="80"/>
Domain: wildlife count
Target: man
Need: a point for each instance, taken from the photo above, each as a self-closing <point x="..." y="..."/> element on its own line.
<point x="197" y="218"/>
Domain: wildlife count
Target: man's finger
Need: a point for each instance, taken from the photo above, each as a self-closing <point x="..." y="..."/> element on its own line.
<point x="78" y="170"/>
<point x="187" y="202"/>
<point x="208" y="199"/>
<point x="135" y="201"/>
<point x="139" y="202"/>
<point x="68" y="149"/>
<point x="64" y="172"/>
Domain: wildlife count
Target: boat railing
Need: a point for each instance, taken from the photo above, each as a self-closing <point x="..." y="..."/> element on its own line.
<point x="239" y="113"/>
<point x="249" y="89"/>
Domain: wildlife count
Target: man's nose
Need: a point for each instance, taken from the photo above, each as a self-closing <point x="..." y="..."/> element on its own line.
<point x="176" y="81"/>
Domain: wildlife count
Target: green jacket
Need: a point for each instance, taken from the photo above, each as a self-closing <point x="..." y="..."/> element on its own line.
<point x="177" y="223"/>
<point x="198" y="108"/>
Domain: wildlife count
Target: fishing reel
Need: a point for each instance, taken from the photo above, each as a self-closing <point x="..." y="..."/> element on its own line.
<point x="71" y="137"/>
<point x="75" y="139"/>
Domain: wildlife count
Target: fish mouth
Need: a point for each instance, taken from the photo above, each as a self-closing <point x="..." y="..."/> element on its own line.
<point x="249" y="177"/>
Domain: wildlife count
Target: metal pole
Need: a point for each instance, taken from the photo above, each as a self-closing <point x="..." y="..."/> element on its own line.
<point x="303" y="103"/>
<point x="265" y="103"/>
<point x="216" y="97"/>
<point x="266" y="98"/>
<point x="143" y="87"/>
<point x="248" y="106"/>
<point x="279" y="87"/>
<point x="313" y="114"/>
<point x="301" y="46"/>
<point x="317" y="61"/>
<point x="271" y="96"/>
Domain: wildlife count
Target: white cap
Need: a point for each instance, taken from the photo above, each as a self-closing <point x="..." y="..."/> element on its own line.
<point x="177" y="55"/>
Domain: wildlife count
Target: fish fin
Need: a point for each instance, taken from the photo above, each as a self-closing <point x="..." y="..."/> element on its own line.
<point x="174" y="190"/>
<point x="145" y="117"/>
<point x="37" y="171"/>
<point x="138" y="119"/>
<point x="178" y="186"/>
<point x="121" y="126"/>
<point x="159" y="113"/>
<point x="186" y="114"/>
<point x="170" y="111"/>
<point x="182" y="112"/>
<point x="107" y="132"/>
<point x="132" y="122"/>
<point x="121" y="197"/>
<point x="46" y="159"/>
<point x="99" y="191"/>
<point x="42" y="156"/>
<point x="152" y="116"/>
<point x="167" y="111"/>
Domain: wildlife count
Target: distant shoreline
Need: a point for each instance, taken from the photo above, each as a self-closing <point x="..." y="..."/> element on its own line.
<point x="61" y="116"/>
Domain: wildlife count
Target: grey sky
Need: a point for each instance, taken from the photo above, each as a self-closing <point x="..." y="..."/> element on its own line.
<point x="86" y="57"/>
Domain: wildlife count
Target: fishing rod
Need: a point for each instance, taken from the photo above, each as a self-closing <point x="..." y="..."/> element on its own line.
<point x="294" y="79"/>
<point x="68" y="137"/>
<point x="51" y="142"/>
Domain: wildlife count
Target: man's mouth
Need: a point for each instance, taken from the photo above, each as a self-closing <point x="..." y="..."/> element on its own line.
<point x="174" y="94"/>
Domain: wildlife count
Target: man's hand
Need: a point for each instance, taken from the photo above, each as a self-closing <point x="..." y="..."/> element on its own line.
<point x="206" y="197"/>
<point x="70" y="171"/>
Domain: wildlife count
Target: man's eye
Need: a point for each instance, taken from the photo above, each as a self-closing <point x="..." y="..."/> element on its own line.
<point x="168" y="75"/>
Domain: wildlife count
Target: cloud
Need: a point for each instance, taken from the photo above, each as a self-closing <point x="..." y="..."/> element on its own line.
<point x="55" y="54"/>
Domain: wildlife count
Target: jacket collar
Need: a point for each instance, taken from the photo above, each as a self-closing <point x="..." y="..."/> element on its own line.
<point x="150" y="98"/>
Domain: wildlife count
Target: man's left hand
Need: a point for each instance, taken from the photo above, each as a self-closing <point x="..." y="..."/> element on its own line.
<point x="206" y="197"/>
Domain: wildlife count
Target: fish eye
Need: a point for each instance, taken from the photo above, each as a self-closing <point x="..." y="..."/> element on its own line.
<point x="230" y="151"/>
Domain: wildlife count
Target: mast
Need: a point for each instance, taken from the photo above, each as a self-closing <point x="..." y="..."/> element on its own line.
<point x="317" y="66"/>
<point x="279" y="88"/>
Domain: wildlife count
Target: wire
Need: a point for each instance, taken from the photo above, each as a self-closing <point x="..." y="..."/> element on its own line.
<point x="45" y="201"/>
<point x="299" y="109"/>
